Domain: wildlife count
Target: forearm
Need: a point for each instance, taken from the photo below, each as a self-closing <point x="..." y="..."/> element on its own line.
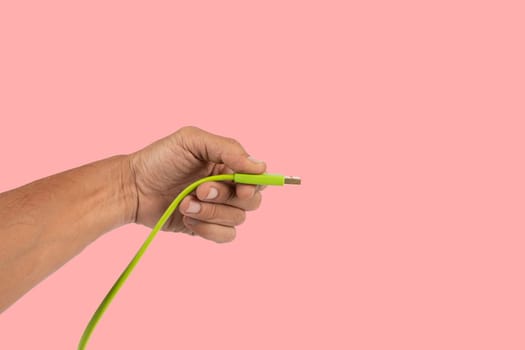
<point x="47" y="222"/>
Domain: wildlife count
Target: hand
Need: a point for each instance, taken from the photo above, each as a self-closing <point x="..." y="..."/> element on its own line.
<point x="166" y="167"/>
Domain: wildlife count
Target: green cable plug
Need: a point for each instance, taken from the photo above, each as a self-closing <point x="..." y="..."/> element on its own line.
<point x="250" y="179"/>
<point x="266" y="179"/>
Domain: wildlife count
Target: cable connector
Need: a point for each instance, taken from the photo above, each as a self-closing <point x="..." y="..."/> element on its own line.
<point x="266" y="179"/>
<point x="292" y="180"/>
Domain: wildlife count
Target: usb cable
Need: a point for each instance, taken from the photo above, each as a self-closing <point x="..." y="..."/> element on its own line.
<point x="250" y="179"/>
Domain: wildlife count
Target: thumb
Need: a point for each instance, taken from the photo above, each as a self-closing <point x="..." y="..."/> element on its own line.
<point x="218" y="149"/>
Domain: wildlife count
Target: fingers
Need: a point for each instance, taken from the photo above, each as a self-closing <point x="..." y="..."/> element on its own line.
<point x="245" y="197"/>
<point x="212" y="232"/>
<point x="218" y="149"/>
<point x="211" y="221"/>
<point x="245" y="192"/>
<point x="216" y="208"/>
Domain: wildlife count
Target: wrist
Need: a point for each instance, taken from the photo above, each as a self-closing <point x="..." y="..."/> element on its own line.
<point x="128" y="189"/>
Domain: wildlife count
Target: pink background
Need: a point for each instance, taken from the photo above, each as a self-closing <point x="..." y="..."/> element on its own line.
<point x="404" y="118"/>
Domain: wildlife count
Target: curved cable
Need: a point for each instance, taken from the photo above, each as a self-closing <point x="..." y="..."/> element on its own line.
<point x="125" y="274"/>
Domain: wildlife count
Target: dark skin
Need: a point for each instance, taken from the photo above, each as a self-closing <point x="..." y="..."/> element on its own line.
<point x="47" y="222"/>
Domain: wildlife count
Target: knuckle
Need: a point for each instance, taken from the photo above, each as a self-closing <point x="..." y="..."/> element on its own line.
<point x="240" y="217"/>
<point x="209" y="211"/>
<point x="188" y="129"/>
<point x="255" y="202"/>
<point x="234" y="143"/>
<point x="187" y="132"/>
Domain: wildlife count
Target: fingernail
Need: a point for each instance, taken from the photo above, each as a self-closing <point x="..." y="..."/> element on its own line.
<point x="193" y="208"/>
<point x="255" y="160"/>
<point x="213" y="193"/>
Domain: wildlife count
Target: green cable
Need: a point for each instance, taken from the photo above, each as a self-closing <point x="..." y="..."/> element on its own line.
<point x="125" y="274"/>
<point x="253" y="179"/>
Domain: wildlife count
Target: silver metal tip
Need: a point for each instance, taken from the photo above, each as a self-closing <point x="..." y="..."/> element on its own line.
<point x="292" y="180"/>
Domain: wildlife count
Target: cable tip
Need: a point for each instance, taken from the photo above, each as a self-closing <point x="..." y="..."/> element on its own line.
<point x="292" y="180"/>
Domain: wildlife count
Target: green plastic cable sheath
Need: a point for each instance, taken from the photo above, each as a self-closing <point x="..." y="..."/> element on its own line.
<point x="125" y="274"/>
<point x="259" y="179"/>
<point x="251" y="179"/>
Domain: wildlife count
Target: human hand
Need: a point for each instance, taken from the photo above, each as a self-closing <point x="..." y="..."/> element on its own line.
<point x="166" y="167"/>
